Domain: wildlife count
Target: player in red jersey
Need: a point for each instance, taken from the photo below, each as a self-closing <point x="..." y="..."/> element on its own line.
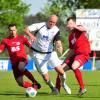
<point x="78" y="54"/>
<point x="15" y="46"/>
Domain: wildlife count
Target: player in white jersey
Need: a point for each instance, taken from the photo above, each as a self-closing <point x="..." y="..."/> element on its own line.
<point x="47" y="35"/>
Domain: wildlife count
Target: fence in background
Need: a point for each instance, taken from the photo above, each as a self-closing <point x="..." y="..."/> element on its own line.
<point x="5" y="65"/>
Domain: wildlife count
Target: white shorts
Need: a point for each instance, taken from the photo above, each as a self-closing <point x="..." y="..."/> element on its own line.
<point x="43" y="60"/>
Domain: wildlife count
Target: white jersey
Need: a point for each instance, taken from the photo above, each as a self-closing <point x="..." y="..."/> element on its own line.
<point x="45" y="36"/>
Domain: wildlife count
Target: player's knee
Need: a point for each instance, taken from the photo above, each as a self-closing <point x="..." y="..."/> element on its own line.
<point x="75" y="65"/>
<point x="59" y="70"/>
<point x="22" y="69"/>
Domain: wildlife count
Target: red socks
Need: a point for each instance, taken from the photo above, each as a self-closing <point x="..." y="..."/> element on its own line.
<point x="58" y="83"/>
<point x="29" y="75"/>
<point x="27" y="84"/>
<point x="78" y="75"/>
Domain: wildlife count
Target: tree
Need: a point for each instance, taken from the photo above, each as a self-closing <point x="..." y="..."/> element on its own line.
<point x="12" y="11"/>
<point x="39" y="17"/>
<point x="65" y="8"/>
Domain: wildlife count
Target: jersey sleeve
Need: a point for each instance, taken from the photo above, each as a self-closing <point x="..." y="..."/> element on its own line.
<point x="70" y="45"/>
<point x="26" y="42"/>
<point x="36" y="26"/>
<point x="2" y="45"/>
<point x="57" y="36"/>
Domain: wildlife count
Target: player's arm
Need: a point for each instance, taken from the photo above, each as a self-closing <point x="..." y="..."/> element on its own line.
<point x="0" y="51"/>
<point x="2" y="46"/>
<point x="58" y="46"/>
<point x="27" y="31"/>
<point x="58" y="43"/>
<point x="70" y="53"/>
<point x="26" y="42"/>
<point x="80" y="28"/>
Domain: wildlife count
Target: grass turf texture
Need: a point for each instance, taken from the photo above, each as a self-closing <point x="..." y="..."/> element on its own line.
<point x="9" y="90"/>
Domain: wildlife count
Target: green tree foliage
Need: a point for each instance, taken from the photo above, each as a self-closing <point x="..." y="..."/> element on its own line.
<point x="12" y="11"/>
<point x="39" y="17"/>
<point x="65" y="8"/>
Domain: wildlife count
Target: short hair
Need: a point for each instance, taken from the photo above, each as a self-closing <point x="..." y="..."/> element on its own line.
<point x="71" y="18"/>
<point x="11" y="25"/>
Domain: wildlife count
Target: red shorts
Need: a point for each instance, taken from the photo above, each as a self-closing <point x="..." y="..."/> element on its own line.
<point x="17" y="73"/>
<point x="82" y="59"/>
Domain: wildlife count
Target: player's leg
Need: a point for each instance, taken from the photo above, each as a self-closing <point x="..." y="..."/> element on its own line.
<point x="29" y="75"/>
<point x="76" y="64"/>
<point x="19" y="77"/>
<point x="49" y="83"/>
<point x="41" y="66"/>
<point x="54" y="60"/>
<point x="21" y="67"/>
<point x="63" y="79"/>
<point x="58" y="81"/>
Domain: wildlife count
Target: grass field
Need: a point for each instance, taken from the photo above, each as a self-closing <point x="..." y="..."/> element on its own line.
<point x="9" y="90"/>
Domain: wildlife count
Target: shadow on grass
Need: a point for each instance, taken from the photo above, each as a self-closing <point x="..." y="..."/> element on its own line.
<point x="43" y="94"/>
<point x="9" y="93"/>
<point x="75" y="96"/>
<point x="22" y="95"/>
<point x="88" y="84"/>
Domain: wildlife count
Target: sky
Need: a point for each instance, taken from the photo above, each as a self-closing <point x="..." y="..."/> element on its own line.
<point x="36" y="5"/>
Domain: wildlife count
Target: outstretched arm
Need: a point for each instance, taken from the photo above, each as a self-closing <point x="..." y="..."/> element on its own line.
<point x="2" y="47"/>
<point x="27" y="31"/>
<point x="58" y="46"/>
<point x="0" y="51"/>
<point x="70" y="53"/>
<point x="80" y="28"/>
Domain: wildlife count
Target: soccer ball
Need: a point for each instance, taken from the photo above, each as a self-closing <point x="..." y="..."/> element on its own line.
<point x="31" y="92"/>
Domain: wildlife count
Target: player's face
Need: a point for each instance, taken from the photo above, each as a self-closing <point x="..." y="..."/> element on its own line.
<point x="13" y="31"/>
<point x="70" y="24"/>
<point x="52" y="21"/>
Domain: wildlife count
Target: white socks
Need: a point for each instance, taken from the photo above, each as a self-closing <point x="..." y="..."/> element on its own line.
<point x="64" y="85"/>
<point x="50" y="84"/>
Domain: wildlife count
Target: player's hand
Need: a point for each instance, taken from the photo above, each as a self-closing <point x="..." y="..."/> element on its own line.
<point x="32" y="38"/>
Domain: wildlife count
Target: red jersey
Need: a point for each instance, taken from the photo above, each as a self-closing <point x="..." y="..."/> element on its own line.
<point x="15" y="47"/>
<point x="79" y="42"/>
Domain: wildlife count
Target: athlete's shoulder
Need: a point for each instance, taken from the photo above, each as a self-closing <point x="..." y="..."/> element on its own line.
<point x="21" y="36"/>
<point x="41" y="24"/>
<point x="4" y="40"/>
<point x="56" y="27"/>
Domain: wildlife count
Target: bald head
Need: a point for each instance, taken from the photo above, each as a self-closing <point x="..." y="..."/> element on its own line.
<point x="52" y="21"/>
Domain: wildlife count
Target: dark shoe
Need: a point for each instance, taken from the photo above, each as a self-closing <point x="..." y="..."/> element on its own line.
<point x="36" y="86"/>
<point x="39" y="86"/>
<point x="82" y="91"/>
<point x="54" y="91"/>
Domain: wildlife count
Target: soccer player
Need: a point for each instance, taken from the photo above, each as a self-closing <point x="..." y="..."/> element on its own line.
<point x="78" y="54"/>
<point x="15" y="46"/>
<point x="47" y="36"/>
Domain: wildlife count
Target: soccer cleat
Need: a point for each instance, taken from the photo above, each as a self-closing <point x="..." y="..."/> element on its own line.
<point x="66" y="88"/>
<point x="82" y="91"/>
<point x="55" y="91"/>
<point x="36" y="86"/>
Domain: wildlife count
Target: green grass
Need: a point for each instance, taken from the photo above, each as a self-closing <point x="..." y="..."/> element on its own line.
<point x="9" y="90"/>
